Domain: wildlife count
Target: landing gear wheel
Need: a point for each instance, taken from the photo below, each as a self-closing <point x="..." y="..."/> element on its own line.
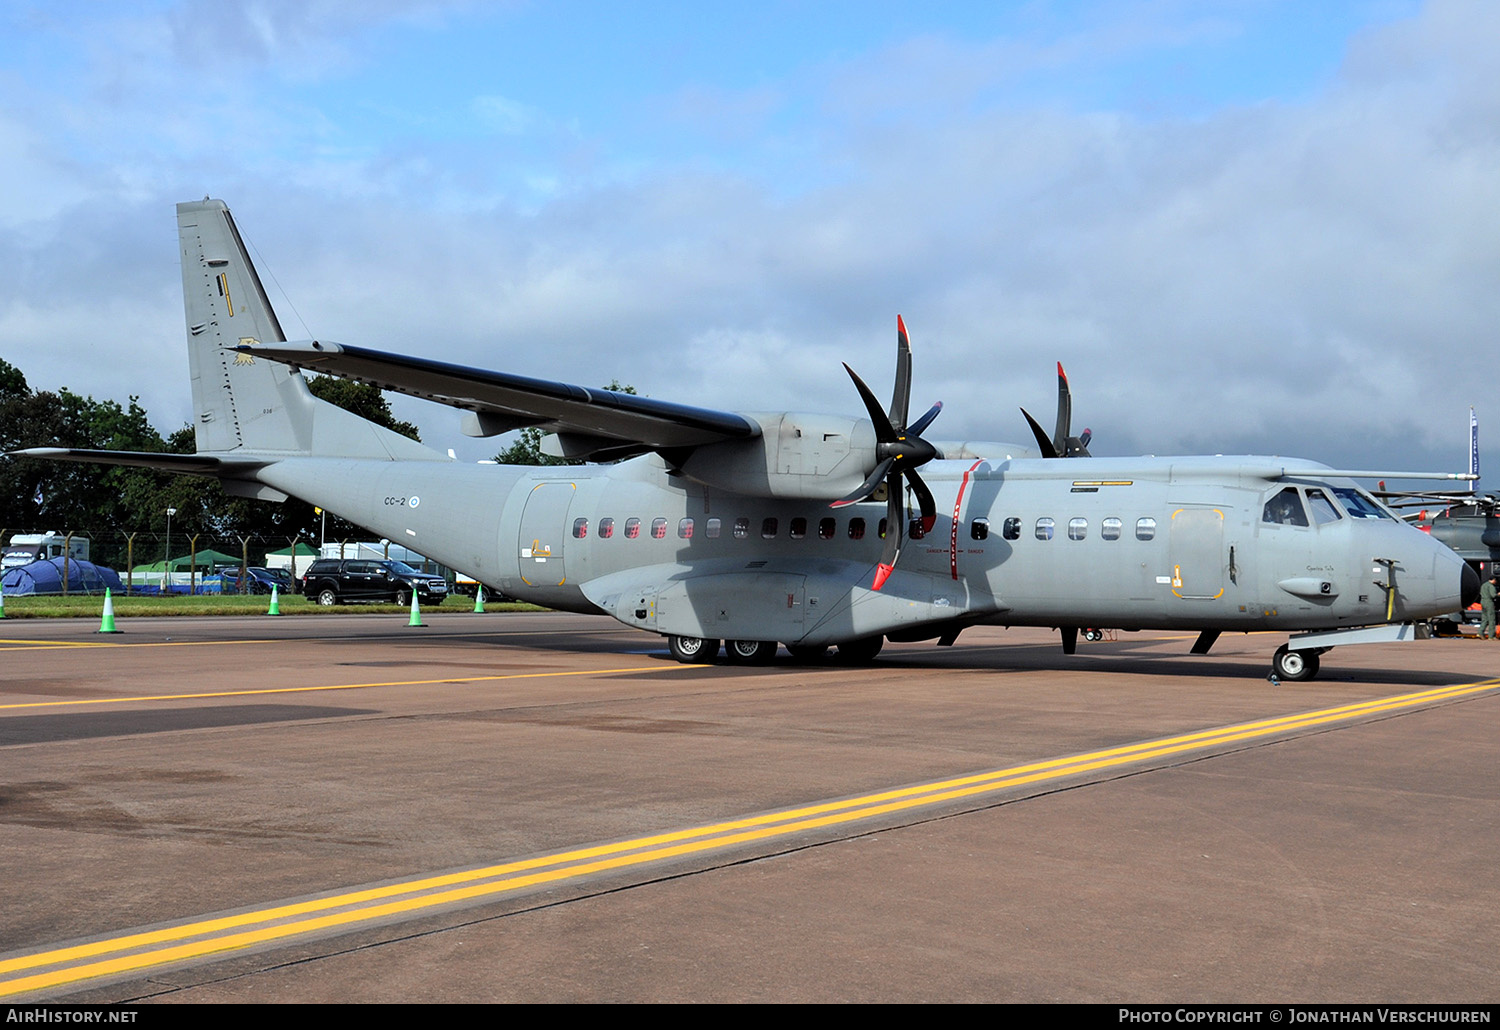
<point x="749" y="652"/>
<point x="1294" y="665"/>
<point x="327" y="598"/>
<point x="860" y="652"/>
<point x="692" y="650"/>
<point x="1093" y="636"/>
<point x="807" y="652"/>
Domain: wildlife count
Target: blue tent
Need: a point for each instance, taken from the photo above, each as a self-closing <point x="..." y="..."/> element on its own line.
<point x="45" y="577"/>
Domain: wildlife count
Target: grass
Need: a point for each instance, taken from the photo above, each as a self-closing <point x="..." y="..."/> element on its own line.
<point x="53" y="606"/>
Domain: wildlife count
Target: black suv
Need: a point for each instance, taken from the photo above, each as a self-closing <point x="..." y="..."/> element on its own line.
<point x="336" y="580"/>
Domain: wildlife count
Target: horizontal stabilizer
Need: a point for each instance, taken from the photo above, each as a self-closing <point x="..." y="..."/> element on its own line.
<point x="182" y="464"/>
<point x="505" y="401"/>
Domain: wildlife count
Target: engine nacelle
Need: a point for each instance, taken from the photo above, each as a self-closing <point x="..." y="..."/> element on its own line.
<point x="820" y="457"/>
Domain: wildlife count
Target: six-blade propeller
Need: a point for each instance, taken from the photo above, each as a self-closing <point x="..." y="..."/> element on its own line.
<point x="899" y="450"/>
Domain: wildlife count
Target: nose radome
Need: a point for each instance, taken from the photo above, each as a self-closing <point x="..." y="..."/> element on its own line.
<point x="1469" y="589"/>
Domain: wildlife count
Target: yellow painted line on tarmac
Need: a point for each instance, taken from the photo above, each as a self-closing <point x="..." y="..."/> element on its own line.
<point x="132" y="952"/>
<point x="46" y="645"/>
<point x="346" y="686"/>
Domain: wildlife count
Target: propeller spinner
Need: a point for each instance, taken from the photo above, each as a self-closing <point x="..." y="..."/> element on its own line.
<point x="899" y="450"/>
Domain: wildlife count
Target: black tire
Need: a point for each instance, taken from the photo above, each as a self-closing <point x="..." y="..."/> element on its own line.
<point x="749" y="652"/>
<point x="1294" y="665"/>
<point x="807" y="652"/>
<point x="693" y="650"/>
<point x="1093" y="636"/>
<point x="860" y="652"/>
<point x="328" y="597"/>
<point x="403" y="598"/>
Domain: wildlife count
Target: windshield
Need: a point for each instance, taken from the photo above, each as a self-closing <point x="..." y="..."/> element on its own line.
<point x="400" y="568"/>
<point x="1358" y="504"/>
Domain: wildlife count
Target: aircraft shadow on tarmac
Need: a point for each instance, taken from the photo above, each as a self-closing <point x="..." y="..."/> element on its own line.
<point x="49" y="729"/>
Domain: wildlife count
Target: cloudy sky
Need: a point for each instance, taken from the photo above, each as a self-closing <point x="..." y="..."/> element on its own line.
<point x="1244" y="226"/>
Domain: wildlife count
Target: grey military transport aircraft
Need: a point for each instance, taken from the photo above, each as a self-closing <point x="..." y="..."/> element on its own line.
<point x="764" y="528"/>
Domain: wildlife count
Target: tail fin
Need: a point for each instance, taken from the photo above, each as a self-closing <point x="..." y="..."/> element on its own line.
<point x="243" y="403"/>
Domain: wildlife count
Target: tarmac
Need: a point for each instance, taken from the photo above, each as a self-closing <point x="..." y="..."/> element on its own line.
<point x="545" y="807"/>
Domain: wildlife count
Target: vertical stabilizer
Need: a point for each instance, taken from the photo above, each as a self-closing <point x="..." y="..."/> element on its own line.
<point x="242" y="403"/>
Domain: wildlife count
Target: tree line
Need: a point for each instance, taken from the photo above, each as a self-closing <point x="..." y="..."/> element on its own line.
<point x="123" y="510"/>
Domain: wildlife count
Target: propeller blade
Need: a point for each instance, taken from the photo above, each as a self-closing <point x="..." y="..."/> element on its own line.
<point x="901" y="395"/>
<point x="1064" y="413"/>
<point x="868" y="487"/>
<point x="924" y="500"/>
<point x="1083" y="441"/>
<point x="1044" y="444"/>
<point x="915" y="429"/>
<point x="895" y="515"/>
<point x="884" y="431"/>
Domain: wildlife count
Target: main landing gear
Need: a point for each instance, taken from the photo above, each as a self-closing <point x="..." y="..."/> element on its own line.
<point x="701" y="651"/>
<point x="691" y="650"/>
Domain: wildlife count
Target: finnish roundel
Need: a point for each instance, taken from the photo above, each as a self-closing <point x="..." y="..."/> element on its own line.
<point x="415" y="500"/>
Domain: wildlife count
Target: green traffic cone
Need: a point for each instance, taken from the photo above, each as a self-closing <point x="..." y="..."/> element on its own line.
<point x="275" y="608"/>
<point x="2" y="600"/>
<point x="478" y="603"/>
<point x="107" y="624"/>
<point x="416" y="613"/>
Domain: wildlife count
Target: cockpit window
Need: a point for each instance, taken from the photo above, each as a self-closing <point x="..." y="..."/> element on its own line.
<point x="1358" y="504"/>
<point x="1322" y="508"/>
<point x="1285" y="509"/>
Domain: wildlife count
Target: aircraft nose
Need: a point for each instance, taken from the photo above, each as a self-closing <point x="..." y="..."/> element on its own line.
<point x="1469" y="589"/>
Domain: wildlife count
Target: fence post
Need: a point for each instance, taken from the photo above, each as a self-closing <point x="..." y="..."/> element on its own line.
<point x="67" y="553"/>
<point x="192" y="563"/>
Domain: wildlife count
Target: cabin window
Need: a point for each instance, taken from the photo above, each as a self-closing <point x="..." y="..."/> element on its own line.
<point x="632" y="528"/>
<point x="1284" y="509"/>
<point x="1145" y="529"/>
<point x="799" y="528"/>
<point x="1110" y="528"/>
<point x="685" y="529"/>
<point x="826" y="528"/>
<point x="658" y="528"/>
<point x="1078" y="528"/>
<point x="1322" y="508"/>
<point x="741" y="527"/>
<point x="606" y="528"/>
<point x="979" y="529"/>
<point x="580" y="528"/>
<point x="711" y="529"/>
<point x="856" y="529"/>
<point x="1011" y="529"/>
<point x="1044" y="529"/>
<point x="768" y="529"/>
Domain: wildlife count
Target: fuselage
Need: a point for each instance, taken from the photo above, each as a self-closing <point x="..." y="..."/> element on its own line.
<point x="1130" y="543"/>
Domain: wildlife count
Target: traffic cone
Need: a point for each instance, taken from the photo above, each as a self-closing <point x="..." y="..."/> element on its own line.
<point x="2" y="600"/>
<point x="275" y="608"/>
<point x="416" y="613"/>
<point x="107" y="624"/>
<point x="478" y="603"/>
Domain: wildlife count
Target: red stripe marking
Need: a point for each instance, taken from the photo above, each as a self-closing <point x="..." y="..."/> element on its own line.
<point x="953" y="535"/>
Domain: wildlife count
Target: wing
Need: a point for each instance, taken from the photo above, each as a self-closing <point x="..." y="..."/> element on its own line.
<point x="589" y="422"/>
